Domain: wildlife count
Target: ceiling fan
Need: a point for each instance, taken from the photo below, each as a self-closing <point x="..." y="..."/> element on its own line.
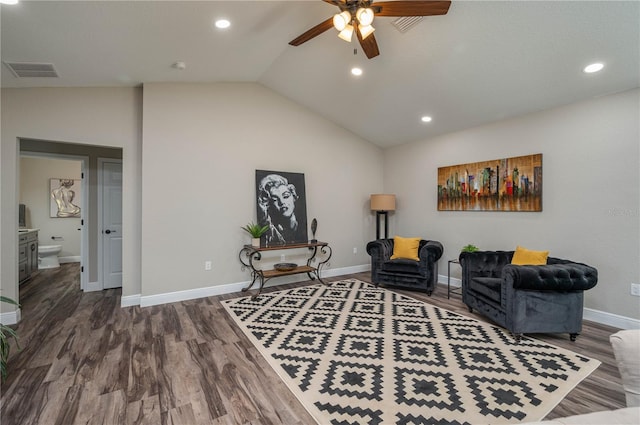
<point x="357" y="16"/>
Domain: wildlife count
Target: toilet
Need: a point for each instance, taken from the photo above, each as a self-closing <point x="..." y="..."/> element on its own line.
<point x="48" y="256"/>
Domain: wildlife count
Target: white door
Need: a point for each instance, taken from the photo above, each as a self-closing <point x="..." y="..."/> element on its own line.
<point x="111" y="172"/>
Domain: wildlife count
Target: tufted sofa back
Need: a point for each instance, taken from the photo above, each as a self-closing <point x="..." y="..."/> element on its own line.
<point x="486" y="263"/>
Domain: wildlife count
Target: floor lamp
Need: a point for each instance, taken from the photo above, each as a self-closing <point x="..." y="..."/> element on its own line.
<point x="382" y="204"/>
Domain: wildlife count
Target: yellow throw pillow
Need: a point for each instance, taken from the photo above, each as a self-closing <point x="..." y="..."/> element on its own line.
<point x="526" y="257"/>
<point x="405" y="248"/>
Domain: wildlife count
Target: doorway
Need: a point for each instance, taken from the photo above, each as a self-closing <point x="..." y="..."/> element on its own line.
<point x="91" y="279"/>
<point x="37" y="172"/>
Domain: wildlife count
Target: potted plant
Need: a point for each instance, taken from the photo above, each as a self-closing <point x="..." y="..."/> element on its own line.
<point x="256" y="231"/>
<point x="470" y="248"/>
<point x="6" y="333"/>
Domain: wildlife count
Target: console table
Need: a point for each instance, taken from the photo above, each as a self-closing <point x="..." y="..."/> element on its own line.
<point x="250" y="257"/>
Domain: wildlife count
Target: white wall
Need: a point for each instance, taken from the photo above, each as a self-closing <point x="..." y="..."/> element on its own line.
<point x="93" y="116"/>
<point x="35" y="174"/>
<point x="201" y="146"/>
<point x="591" y="194"/>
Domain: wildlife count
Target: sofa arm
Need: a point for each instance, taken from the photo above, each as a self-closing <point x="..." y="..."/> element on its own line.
<point x="380" y="250"/>
<point x="568" y="276"/>
<point x="430" y="252"/>
<point x="626" y="344"/>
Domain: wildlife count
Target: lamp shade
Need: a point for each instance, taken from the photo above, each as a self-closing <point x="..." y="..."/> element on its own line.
<point x="380" y="202"/>
<point x="346" y="33"/>
<point x="341" y="20"/>
<point x="365" y="16"/>
<point x="365" y="30"/>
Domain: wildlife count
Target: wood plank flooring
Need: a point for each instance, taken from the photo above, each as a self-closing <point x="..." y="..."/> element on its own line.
<point x="85" y="360"/>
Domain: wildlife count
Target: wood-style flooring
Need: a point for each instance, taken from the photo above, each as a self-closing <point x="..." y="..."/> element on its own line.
<point x="85" y="360"/>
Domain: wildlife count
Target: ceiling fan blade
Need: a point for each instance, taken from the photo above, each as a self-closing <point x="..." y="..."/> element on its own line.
<point x="369" y="45"/>
<point x="410" y="8"/>
<point x="313" y="32"/>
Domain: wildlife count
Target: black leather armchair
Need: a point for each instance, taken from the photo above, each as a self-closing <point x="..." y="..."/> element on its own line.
<point x="419" y="275"/>
<point x="526" y="299"/>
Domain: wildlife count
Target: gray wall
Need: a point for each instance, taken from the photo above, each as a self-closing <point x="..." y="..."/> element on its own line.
<point x="189" y="182"/>
<point x="106" y="117"/>
<point x="202" y="144"/>
<point x="591" y="185"/>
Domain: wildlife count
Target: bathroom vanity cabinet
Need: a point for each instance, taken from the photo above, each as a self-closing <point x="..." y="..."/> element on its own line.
<point x="27" y="254"/>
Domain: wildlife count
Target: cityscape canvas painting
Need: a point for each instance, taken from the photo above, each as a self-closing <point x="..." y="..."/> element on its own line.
<point x="509" y="184"/>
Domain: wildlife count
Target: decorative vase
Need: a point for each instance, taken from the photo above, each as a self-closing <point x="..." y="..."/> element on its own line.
<point x="314" y="226"/>
<point x="255" y="242"/>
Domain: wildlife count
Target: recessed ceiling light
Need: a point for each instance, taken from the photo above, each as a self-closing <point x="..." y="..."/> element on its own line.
<point x="8" y="1"/>
<point x="594" y="67"/>
<point x="356" y="71"/>
<point x="426" y="118"/>
<point x="223" y="23"/>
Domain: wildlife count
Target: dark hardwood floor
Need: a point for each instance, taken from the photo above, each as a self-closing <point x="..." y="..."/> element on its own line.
<point x="85" y="360"/>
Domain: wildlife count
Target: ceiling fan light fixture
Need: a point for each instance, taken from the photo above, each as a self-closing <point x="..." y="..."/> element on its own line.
<point x="365" y="16"/>
<point x="341" y="20"/>
<point x="346" y="33"/>
<point x="366" y="30"/>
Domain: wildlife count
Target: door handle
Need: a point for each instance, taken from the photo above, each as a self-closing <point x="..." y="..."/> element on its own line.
<point x="109" y="231"/>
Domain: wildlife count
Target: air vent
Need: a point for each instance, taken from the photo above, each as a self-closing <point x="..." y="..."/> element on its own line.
<point x="30" y="70"/>
<point x="405" y="23"/>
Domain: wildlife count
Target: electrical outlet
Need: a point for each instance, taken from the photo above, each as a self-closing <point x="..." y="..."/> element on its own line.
<point x="355" y="250"/>
<point x="635" y="289"/>
<point x="282" y="257"/>
<point x="207" y="265"/>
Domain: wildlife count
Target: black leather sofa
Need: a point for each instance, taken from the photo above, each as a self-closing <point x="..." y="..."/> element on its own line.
<point x="526" y="299"/>
<point x="419" y="275"/>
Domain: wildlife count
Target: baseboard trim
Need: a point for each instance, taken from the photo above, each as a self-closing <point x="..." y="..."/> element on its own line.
<point x="70" y="259"/>
<point x="346" y="270"/>
<point x="590" y="314"/>
<point x="191" y="294"/>
<point x="455" y="283"/>
<point x="597" y="316"/>
<point x="610" y="319"/>
<point x="10" y="317"/>
<point x="130" y="300"/>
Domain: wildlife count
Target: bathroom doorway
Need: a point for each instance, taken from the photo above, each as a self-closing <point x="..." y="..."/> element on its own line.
<point x="91" y="279"/>
<point x="39" y="173"/>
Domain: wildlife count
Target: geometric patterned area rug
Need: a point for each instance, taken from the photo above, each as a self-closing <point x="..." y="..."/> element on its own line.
<point x="356" y="354"/>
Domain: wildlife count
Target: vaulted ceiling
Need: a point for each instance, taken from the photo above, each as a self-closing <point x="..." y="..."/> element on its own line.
<point x="482" y="62"/>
